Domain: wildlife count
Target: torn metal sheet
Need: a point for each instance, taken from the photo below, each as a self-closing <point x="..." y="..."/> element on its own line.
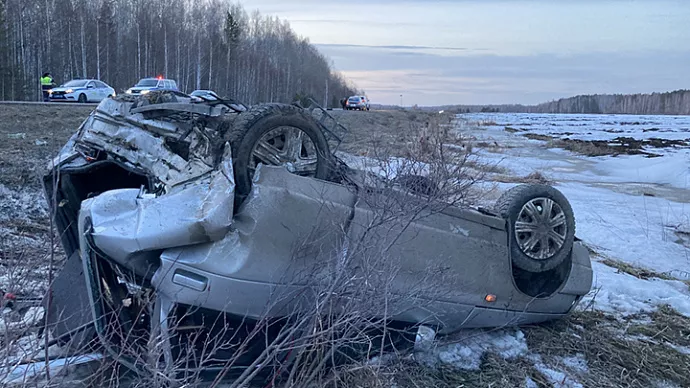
<point x="126" y="222"/>
<point x="149" y="144"/>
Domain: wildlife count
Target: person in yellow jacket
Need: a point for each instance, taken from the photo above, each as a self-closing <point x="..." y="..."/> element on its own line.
<point x="47" y="83"/>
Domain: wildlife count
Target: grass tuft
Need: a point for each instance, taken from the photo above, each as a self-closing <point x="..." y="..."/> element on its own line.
<point x="636" y="271"/>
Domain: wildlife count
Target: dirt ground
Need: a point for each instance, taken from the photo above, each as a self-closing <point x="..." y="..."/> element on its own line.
<point x="31" y="134"/>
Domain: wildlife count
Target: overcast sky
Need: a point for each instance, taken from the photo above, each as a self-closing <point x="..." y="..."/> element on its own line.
<point x="496" y="51"/>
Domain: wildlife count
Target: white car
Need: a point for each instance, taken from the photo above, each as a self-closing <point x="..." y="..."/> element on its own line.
<point x="82" y="90"/>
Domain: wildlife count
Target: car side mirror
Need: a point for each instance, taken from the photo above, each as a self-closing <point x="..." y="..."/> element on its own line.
<point x="89" y="86"/>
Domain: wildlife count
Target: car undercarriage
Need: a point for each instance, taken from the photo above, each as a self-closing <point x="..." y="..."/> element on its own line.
<point x="208" y="236"/>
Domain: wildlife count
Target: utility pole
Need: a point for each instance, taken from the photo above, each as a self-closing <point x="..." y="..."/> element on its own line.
<point x="401" y="101"/>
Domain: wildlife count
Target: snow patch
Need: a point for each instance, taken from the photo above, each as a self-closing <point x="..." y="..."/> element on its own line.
<point x="576" y="363"/>
<point x="471" y="346"/>
<point x="681" y="349"/>
<point x="625" y="294"/>
<point x="557" y="378"/>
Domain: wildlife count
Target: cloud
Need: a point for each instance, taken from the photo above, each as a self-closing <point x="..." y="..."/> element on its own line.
<point x="393" y="47"/>
<point x="427" y="78"/>
<point x="497" y="51"/>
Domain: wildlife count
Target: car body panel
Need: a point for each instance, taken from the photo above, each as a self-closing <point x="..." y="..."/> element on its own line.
<point x="235" y="271"/>
<point x="201" y="95"/>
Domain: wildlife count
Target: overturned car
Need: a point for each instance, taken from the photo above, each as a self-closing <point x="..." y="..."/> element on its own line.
<point x="189" y="221"/>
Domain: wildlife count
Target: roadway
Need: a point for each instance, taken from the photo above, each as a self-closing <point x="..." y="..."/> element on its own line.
<point x="45" y="103"/>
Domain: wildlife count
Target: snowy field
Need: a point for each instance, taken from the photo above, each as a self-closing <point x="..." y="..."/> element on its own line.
<point x="628" y="207"/>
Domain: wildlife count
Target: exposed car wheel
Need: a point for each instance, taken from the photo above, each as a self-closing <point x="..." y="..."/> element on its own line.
<point x="82" y="98"/>
<point x="278" y="135"/>
<point x="541" y="226"/>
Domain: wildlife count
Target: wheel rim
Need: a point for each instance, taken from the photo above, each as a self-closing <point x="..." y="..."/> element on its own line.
<point x="540" y="229"/>
<point x="286" y="146"/>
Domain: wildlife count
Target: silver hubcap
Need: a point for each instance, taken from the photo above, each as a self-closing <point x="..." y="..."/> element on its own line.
<point x="286" y="146"/>
<point x="540" y="228"/>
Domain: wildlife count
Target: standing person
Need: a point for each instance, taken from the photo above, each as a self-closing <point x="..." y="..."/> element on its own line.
<point x="343" y="102"/>
<point x="47" y="83"/>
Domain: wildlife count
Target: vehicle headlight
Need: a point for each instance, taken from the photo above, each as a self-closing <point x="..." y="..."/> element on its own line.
<point x="128" y="91"/>
<point x="114" y="94"/>
<point x="68" y="91"/>
<point x="145" y="91"/>
<point x="50" y="91"/>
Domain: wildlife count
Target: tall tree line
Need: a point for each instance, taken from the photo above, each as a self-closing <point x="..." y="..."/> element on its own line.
<point x="675" y="103"/>
<point x="669" y="103"/>
<point x="202" y="44"/>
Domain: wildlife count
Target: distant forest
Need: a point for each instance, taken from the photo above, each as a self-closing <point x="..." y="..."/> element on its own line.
<point x="669" y="103"/>
<point x="203" y="44"/>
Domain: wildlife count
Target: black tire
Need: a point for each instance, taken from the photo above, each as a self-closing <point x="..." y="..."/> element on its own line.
<point x="510" y="206"/>
<point x="251" y="125"/>
<point x="82" y="98"/>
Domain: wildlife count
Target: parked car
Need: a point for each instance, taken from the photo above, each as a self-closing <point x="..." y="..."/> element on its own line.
<point x="205" y="95"/>
<point x="241" y="217"/>
<point x="357" y="102"/>
<point x="81" y="90"/>
<point x="147" y="85"/>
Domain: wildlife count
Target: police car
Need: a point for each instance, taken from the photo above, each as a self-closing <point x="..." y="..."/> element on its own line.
<point x="81" y="90"/>
<point x="146" y="85"/>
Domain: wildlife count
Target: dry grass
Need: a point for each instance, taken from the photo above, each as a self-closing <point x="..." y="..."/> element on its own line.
<point x="535" y="177"/>
<point x="639" y="272"/>
<point x="536" y="136"/>
<point x="616" y="352"/>
<point x="486" y="167"/>
<point x="495" y="372"/>
<point x="626" y="352"/>
<point x="584" y="147"/>
<point x="393" y="129"/>
<point x="636" y="271"/>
